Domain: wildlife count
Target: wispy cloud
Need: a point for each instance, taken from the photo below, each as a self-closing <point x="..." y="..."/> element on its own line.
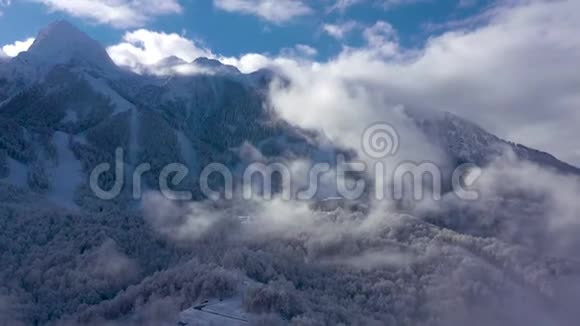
<point x="466" y="3"/>
<point x="4" y="4"/>
<point x="339" y="31"/>
<point x="117" y="13"/>
<point x="343" y="5"/>
<point x="276" y="11"/>
<point x="300" y="51"/>
<point x="389" y="4"/>
<point x="380" y="33"/>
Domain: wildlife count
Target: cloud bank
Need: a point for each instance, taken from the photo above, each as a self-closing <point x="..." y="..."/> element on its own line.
<point x="481" y="73"/>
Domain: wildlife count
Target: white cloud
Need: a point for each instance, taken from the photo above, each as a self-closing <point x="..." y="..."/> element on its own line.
<point x="144" y="48"/>
<point x="501" y="75"/>
<point x="380" y="33"/>
<point x="300" y="51"/>
<point x="504" y="76"/>
<point x="306" y="50"/>
<point x="144" y="51"/>
<point x="15" y="48"/>
<point x="117" y="13"/>
<point x="339" y="31"/>
<point x="277" y="11"/>
<point x="249" y="62"/>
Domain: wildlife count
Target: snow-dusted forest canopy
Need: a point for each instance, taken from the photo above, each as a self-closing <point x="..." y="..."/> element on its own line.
<point x="304" y="267"/>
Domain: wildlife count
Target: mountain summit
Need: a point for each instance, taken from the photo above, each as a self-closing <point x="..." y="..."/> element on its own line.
<point x="61" y="43"/>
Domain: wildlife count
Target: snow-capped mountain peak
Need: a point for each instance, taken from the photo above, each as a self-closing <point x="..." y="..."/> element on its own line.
<point x="61" y="43"/>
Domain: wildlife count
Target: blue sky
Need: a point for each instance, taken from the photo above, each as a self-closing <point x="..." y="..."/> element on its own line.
<point x="234" y="31"/>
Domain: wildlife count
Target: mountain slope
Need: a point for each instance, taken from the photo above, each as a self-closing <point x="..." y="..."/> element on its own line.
<point x="465" y="141"/>
<point x="77" y="92"/>
<point x="66" y="86"/>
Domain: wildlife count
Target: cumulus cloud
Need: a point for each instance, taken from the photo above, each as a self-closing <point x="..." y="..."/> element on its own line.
<point x="143" y="48"/>
<point x="250" y="62"/>
<point x="117" y="13"/>
<point x="276" y="11"/>
<point x="147" y="51"/>
<point x="17" y="47"/>
<point x="481" y="73"/>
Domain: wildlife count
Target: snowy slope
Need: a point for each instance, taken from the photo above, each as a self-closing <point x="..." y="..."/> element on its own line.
<point x="465" y="141"/>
